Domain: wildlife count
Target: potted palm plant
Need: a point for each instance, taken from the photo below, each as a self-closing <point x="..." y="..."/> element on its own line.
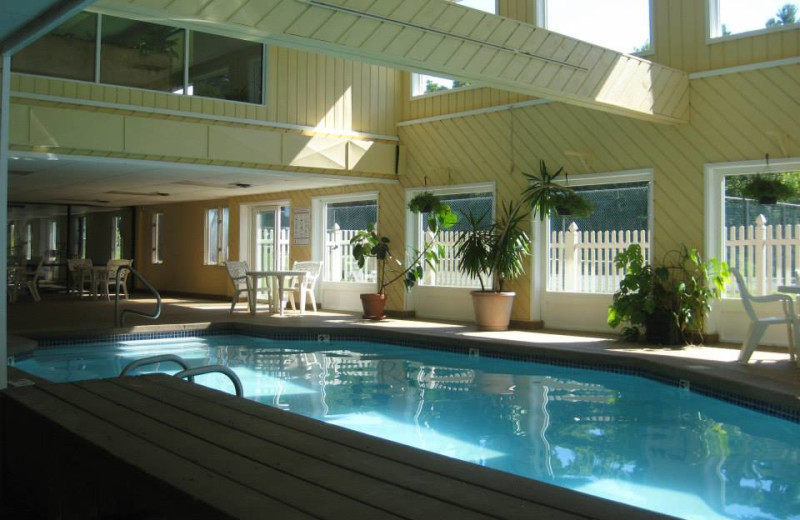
<point x="494" y="253"/>
<point x="544" y="193"/>
<point x="367" y="243"/>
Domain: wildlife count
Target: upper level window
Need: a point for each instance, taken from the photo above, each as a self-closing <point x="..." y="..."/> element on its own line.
<point x="68" y="51"/>
<point x="625" y="27"/>
<point x="422" y="84"/>
<point x="729" y="17"/>
<point x="148" y="56"/>
<point x="141" y="54"/>
<point x="225" y="68"/>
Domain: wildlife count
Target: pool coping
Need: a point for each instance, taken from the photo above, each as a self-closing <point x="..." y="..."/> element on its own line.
<point x="740" y="389"/>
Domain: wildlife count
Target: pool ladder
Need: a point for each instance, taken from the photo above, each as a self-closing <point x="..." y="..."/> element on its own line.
<point x="187" y="372"/>
<point x="119" y="316"/>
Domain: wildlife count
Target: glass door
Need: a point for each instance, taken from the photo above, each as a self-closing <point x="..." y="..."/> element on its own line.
<point x="270" y="241"/>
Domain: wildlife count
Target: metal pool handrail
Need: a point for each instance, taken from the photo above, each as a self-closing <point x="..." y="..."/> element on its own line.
<point x="152" y="360"/>
<point x="208" y="369"/>
<point x="119" y="317"/>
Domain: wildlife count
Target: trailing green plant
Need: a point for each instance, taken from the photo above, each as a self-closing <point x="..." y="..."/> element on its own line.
<point x="494" y="252"/>
<point x="767" y="187"/>
<point x="683" y="285"/>
<point x="543" y="192"/>
<point x="367" y="243"/>
<point x="572" y="203"/>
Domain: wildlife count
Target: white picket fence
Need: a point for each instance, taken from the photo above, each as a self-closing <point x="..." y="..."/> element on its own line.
<point x="583" y="261"/>
<point x="340" y="266"/>
<point x="765" y="255"/>
<point x="265" y="249"/>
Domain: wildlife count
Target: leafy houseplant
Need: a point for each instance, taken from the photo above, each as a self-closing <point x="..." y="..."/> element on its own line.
<point x="571" y="203"/>
<point x="669" y="300"/>
<point x="494" y="253"/>
<point x="368" y="243"/>
<point x="767" y="189"/>
<point x="543" y="192"/>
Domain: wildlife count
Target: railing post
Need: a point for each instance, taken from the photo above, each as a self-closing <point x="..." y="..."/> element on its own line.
<point x="571" y="262"/>
<point x="760" y="257"/>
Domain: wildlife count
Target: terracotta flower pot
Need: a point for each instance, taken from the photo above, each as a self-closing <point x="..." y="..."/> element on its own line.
<point x="492" y="310"/>
<point x="373" y="306"/>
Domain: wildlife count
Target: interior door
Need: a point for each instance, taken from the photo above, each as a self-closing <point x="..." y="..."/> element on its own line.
<point x="270" y="241"/>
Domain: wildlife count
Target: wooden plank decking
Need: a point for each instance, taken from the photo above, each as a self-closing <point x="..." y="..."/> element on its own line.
<point x="158" y="447"/>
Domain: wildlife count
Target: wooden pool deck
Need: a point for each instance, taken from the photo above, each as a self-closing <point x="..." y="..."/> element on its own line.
<point x="158" y="447"/>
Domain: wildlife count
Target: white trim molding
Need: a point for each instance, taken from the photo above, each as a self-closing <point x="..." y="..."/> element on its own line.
<point x="476" y="112"/>
<point x="745" y="68"/>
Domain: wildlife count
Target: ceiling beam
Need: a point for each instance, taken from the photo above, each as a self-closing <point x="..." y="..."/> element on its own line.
<point x="441" y="38"/>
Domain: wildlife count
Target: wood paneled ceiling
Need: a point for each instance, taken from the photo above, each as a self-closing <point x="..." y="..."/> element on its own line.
<point x="439" y="37"/>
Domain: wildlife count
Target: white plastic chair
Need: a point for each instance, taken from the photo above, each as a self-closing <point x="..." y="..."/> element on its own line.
<point x="307" y="285"/>
<point x="32" y="280"/>
<point x="239" y="280"/>
<point x="80" y="270"/>
<point x="758" y="325"/>
<point x="109" y="277"/>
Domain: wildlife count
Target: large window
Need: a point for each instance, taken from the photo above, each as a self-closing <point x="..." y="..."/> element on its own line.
<point x="762" y="238"/>
<point x="216" y="236"/>
<point x="477" y="200"/>
<point x="148" y="56"/>
<point x="730" y="17"/>
<point x="581" y="251"/>
<point x="423" y="84"/>
<point x="141" y="54"/>
<point x="157" y="239"/>
<point x="224" y="68"/>
<point x="342" y="219"/>
<point x="66" y="52"/>
<point x="622" y="25"/>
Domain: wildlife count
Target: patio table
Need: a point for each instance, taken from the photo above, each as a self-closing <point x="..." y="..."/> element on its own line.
<point x="95" y="274"/>
<point x="277" y="296"/>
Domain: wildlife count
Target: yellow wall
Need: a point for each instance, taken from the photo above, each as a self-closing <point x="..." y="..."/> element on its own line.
<point x="184" y="227"/>
<point x="734" y="117"/>
<point x="302" y="88"/>
<point x="679" y="38"/>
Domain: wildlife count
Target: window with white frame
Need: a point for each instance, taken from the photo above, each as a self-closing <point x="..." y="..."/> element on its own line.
<point x="52" y="242"/>
<point x="28" y="241"/>
<point x="731" y="17"/>
<point x="423" y="84"/>
<point x="625" y="27"/>
<point x="116" y="238"/>
<point x="216" y="243"/>
<point x="477" y="200"/>
<point x="581" y="251"/>
<point x="761" y="237"/>
<point x="157" y="239"/>
<point x="342" y="218"/>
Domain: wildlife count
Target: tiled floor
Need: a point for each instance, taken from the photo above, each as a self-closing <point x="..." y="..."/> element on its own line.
<point x="768" y="372"/>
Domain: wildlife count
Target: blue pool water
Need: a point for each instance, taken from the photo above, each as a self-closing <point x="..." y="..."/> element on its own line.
<point x="620" y="437"/>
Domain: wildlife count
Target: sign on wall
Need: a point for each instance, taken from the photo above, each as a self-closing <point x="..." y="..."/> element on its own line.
<point x="302" y="226"/>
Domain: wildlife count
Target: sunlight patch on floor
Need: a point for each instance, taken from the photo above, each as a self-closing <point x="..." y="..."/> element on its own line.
<point x="536" y="337"/>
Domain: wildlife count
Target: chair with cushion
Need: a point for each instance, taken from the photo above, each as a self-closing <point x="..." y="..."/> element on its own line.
<point x="758" y="325"/>
<point x="239" y="280"/>
<point x="304" y="286"/>
<point x="108" y="278"/>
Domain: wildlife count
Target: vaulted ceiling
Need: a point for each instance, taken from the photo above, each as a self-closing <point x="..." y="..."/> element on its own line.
<point x="442" y="38"/>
